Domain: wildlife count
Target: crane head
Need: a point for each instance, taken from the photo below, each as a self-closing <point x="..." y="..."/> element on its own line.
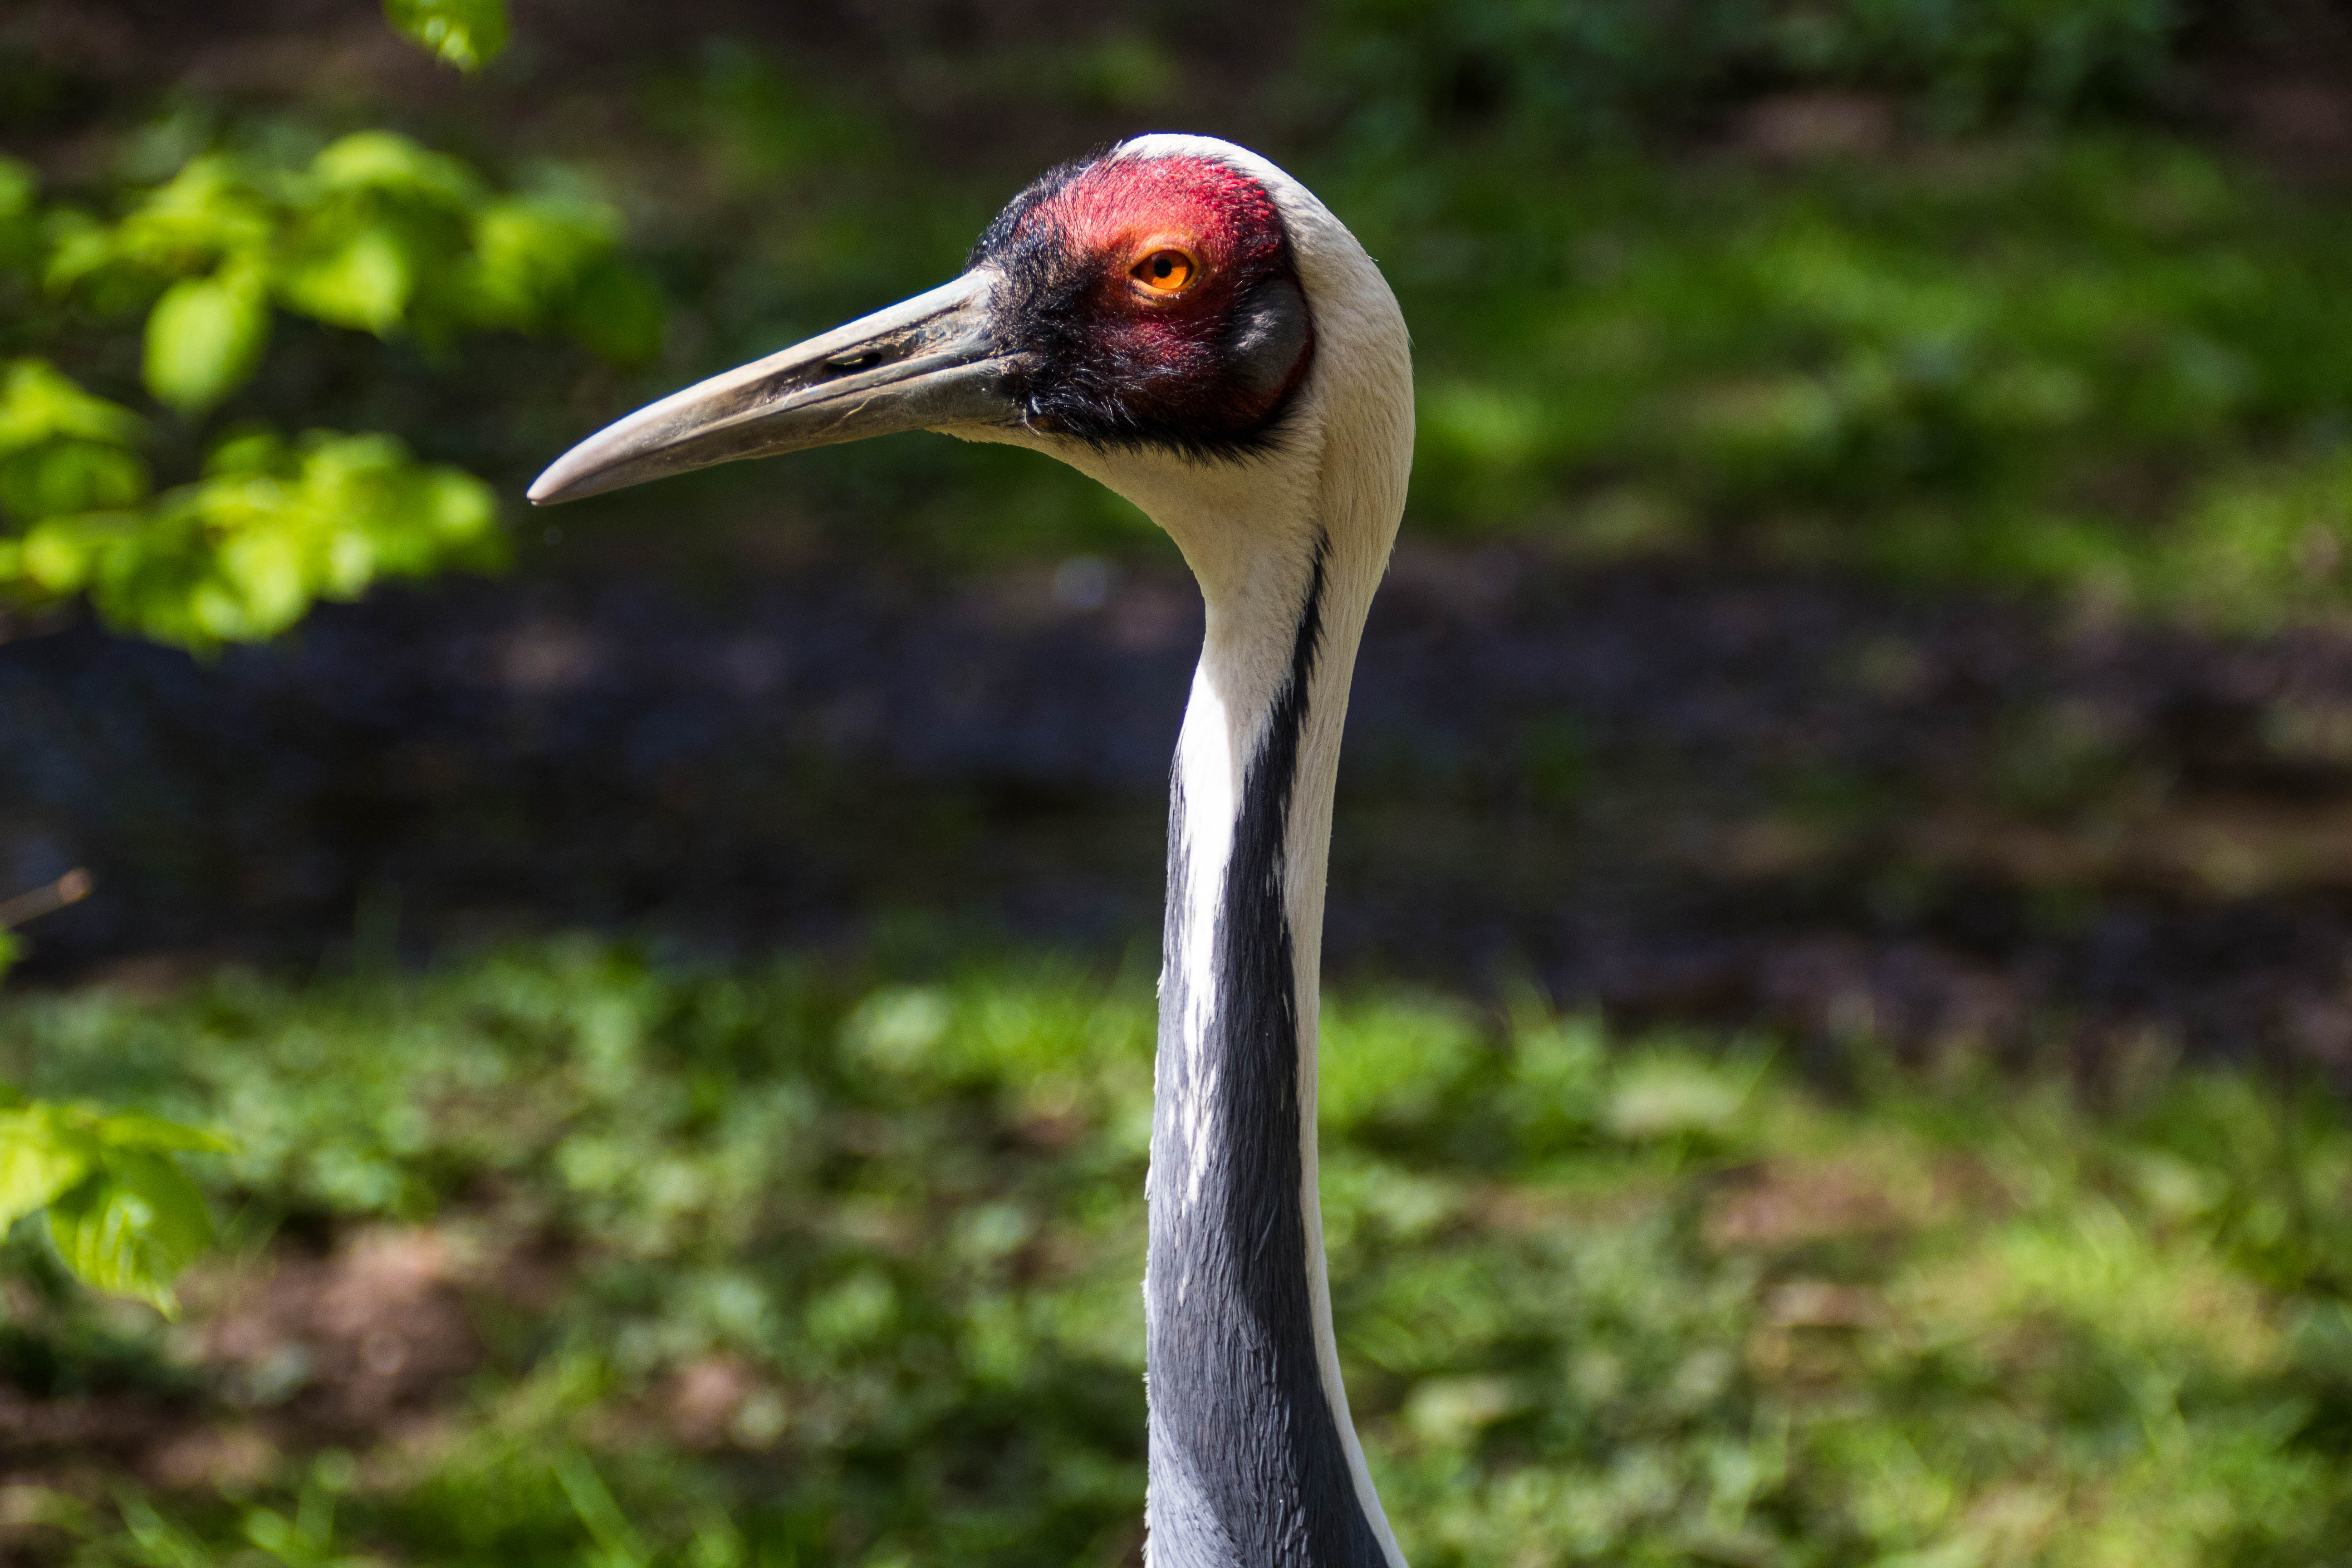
<point x="1141" y="301"/>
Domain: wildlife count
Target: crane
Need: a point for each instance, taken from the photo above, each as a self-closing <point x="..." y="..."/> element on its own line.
<point x="1184" y="322"/>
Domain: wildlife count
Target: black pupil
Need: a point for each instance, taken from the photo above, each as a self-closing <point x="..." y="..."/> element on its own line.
<point x="1162" y="266"/>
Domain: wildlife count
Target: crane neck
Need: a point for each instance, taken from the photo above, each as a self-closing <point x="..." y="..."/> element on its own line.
<point x="1254" y="1459"/>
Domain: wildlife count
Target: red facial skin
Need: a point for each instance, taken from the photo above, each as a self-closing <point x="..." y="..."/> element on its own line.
<point x="1128" y="208"/>
<point x="1155" y="359"/>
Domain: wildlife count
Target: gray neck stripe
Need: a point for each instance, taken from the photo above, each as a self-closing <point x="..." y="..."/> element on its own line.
<point x="1247" y="1466"/>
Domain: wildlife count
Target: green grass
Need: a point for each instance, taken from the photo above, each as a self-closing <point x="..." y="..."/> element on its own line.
<point x="2109" y="365"/>
<point x="788" y="1265"/>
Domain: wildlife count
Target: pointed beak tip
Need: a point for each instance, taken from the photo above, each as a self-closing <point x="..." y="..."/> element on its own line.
<point x="561" y="481"/>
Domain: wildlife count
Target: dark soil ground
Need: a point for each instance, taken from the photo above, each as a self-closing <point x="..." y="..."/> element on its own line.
<point x="1676" y="793"/>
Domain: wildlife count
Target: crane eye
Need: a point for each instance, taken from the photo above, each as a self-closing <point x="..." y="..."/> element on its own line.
<point x="1165" y="271"/>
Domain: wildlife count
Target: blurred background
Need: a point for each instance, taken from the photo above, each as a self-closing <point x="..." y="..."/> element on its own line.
<point x="1842" y="888"/>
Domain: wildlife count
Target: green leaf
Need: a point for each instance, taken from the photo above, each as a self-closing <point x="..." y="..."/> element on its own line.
<point x="386" y="162"/>
<point x="208" y="213"/>
<point x="20" y="233"/>
<point x="272" y="527"/>
<point x="530" y="251"/>
<point x="17" y="189"/>
<point x="67" y="476"/>
<point x="132" y="1227"/>
<point x="468" y="34"/>
<point x="37" y="404"/>
<point x="79" y="246"/>
<point x="42" y="1155"/>
<point x="250" y="451"/>
<point x="204" y="338"/>
<point x="136" y="1130"/>
<point x="365" y="284"/>
<point x="60" y="555"/>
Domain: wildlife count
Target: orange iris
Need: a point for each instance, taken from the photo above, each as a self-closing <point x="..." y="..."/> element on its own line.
<point x="1165" y="271"/>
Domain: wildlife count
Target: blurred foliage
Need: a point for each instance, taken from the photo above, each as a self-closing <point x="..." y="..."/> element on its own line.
<point x="1945" y="296"/>
<point x="2099" y="362"/>
<point x="373" y="234"/>
<point x="122" y="1216"/>
<point x="1938" y="288"/>
<point x="843" y="1271"/>
<point x="2114" y="366"/>
<point x="468" y="34"/>
<point x="240" y="553"/>
<point x="1573" y="73"/>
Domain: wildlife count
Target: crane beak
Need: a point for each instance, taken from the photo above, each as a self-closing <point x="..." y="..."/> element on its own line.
<point x="931" y="363"/>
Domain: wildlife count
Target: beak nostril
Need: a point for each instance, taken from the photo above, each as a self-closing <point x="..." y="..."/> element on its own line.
<point x="855" y="359"/>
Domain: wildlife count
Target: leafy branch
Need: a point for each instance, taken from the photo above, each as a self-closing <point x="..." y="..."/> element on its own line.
<point x="123" y="1216"/>
<point x="468" y="34"/>
<point x="377" y="235"/>
<point x="122" y="1213"/>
